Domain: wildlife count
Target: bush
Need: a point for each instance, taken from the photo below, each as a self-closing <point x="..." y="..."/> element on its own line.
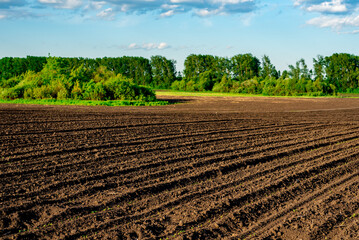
<point x="179" y="85"/>
<point x="12" y="93"/>
<point x="54" y="82"/>
<point x="225" y="85"/>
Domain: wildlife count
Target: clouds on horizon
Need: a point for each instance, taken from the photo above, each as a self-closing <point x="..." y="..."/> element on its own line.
<point x="147" y="46"/>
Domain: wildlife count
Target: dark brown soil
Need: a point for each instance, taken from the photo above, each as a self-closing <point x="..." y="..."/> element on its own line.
<point x="210" y="168"/>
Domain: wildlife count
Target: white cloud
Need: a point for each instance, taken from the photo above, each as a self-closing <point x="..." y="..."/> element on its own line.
<point x="231" y="1"/>
<point x="168" y="13"/>
<point x="335" y="6"/>
<point x="328" y="6"/>
<point x="335" y="14"/>
<point x="186" y="1"/>
<point x="2" y="16"/>
<point x="207" y="13"/>
<point x="106" y="14"/>
<point x="98" y="5"/>
<point x="71" y="4"/>
<point x="125" y="7"/>
<point x="148" y="46"/>
<point x="167" y="6"/>
<point x="183" y="6"/>
<point x="336" y="23"/>
<point x="65" y="4"/>
<point x="133" y="46"/>
<point x="49" y="1"/>
<point x="162" y="45"/>
<point x="164" y="8"/>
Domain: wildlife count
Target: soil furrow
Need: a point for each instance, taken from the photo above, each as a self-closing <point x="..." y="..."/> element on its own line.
<point x="200" y="163"/>
<point x="215" y="168"/>
<point x="156" y="137"/>
<point x="219" y="210"/>
<point x="53" y="168"/>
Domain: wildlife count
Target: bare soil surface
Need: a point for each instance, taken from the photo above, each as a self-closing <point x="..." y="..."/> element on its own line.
<point x="209" y="168"/>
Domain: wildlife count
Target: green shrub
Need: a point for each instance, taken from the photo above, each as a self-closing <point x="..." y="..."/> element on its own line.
<point x="179" y="85"/>
<point x="225" y="85"/>
<point x="55" y="82"/>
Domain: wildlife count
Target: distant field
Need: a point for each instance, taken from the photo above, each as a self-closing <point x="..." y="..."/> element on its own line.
<point x="210" y="168"/>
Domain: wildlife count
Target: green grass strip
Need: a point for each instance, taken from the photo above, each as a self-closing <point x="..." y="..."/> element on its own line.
<point x="114" y="103"/>
<point x="217" y="94"/>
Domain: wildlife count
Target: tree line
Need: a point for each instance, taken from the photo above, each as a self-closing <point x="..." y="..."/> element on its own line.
<point x="245" y="73"/>
<point x="158" y="72"/>
<point x="242" y="73"/>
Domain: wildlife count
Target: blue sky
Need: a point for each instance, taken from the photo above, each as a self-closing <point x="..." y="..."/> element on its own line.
<point x="284" y="30"/>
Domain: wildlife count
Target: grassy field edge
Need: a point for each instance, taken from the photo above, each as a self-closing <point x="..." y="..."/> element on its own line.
<point x="161" y="92"/>
<point x="113" y="103"/>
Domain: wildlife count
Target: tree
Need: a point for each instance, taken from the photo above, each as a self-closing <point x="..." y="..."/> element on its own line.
<point x="163" y="72"/>
<point x="197" y="64"/>
<point x="299" y="71"/>
<point x="342" y="71"/>
<point x="245" y="66"/>
<point x="268" y="69"/>
<point x="319" y="68"/>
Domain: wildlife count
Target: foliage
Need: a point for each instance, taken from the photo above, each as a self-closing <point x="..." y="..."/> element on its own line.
<point x="163" y="72"/>
<point x="245" y="66"/>
<point x="11" y="67"/>
<point x="245" y="74"/>
<point x="268" y="69"/>
<point x="82" y="78"/>
<point x="84" y="102"/>
<point x="342" y="71"/>
<point x="55" y="81"/>
<point x="158" y="73"/>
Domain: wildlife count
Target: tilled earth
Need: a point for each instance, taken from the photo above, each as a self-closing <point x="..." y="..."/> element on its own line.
<point x="208" y="168"/>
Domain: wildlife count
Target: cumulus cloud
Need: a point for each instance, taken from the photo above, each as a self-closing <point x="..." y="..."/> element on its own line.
<point x="109" y="9"/>
<point x="49" y="1"/>
<point x="148" y="46"/>
<point x="207" y="13"/>
<point x="335" y="6"/>
<point x="328" y="6"/>
<point x="97" y="5"/>
<point x="65" y="4"/>
<point x="106" y="14"/>
<point x="168" y="13"/>
<point x="334" y="14"/>
<point x="335" y="22"/>
<point x="201" y="8"/>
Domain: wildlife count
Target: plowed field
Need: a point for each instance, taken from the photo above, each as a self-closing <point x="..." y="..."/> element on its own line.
<point x="209" y="168"/>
